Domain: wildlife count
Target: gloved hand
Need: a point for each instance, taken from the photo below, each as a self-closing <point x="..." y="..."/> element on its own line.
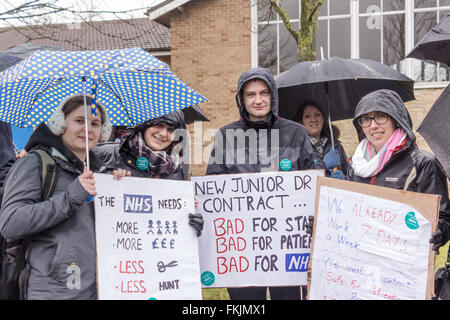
<point x="196" y="222"/>
<point x="437" y="239"/>
<point x="331" y="159"/>
<point x="310" y="225"/>
<point x="440" y="236"/>
<point x="337" y="174"/>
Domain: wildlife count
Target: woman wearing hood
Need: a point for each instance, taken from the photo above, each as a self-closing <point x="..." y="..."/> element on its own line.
<point x="150" y="150"/>
<point x="388" y="156"/>
<point x="60" y="246"/>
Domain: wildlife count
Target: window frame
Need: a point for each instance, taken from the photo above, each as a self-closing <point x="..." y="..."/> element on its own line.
<point x="354" y="17"/>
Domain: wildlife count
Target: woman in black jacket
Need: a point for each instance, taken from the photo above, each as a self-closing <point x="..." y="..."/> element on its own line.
<point x="388" y="156"/>
<point x="311" y="115"/>
<point x="153" y="149"/>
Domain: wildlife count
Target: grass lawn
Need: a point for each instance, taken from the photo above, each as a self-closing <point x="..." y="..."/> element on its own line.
<point x="215" y="294"/>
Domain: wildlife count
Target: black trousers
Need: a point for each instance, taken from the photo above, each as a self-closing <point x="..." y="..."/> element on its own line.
<point x="260" y="293"/>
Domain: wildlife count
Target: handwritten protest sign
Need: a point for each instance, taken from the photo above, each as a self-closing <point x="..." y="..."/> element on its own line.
<point x="254" y="233"/>
<point x="371" y="242"/>
<point x="145" y="246"/>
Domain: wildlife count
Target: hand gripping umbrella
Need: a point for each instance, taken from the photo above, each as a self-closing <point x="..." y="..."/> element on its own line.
<point x="435" y="45"/>
<point x="131" y="84"/>
<point x="338" y="84"/>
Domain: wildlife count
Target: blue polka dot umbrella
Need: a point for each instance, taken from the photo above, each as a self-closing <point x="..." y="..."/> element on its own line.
<point x="133" y="86"/>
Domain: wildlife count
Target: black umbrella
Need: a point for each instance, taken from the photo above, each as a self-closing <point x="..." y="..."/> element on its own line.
<point x="194" y="113"/>
<point x="435" y="128"/>
<point x="337" y="84"/>
<point x="435" y="45"/>
<point x="12" y="56"/>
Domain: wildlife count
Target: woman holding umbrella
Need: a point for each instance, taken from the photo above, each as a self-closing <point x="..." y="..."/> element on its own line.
<point x="387" y="154"/>
<point x="150" y="150"/>
<point x="59" y="231"/>
<point x="311" y="115"/>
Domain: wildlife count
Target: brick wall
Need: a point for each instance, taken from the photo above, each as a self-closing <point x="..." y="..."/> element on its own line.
<point x="210" y="48"/>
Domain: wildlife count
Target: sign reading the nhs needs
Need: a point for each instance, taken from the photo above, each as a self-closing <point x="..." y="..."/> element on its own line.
<point x="145" y="246"/>
<point x="255" y="228"/>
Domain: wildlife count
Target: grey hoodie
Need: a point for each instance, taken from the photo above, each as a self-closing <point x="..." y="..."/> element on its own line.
<point x="246" y="146"/>
<point x="61" y="252"/>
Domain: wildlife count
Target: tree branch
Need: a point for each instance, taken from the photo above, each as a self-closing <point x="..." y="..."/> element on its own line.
<point x="285" y="18"/>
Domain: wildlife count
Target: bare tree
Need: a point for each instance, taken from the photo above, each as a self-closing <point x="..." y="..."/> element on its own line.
<point x="39" y="19"/>
<point x="305" y="37"/>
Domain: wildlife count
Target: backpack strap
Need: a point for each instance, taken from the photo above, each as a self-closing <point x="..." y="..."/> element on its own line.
<point x="48" y="173"/>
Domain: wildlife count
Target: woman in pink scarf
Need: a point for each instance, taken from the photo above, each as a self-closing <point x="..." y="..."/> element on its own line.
<point x="388" y="156"/>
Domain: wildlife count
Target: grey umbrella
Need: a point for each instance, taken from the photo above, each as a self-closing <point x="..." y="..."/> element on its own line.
<point x="337" y="84"/>
<point x="435" y="45"/>
<point x="435" y="128"/>
<point x="12" y="56"/>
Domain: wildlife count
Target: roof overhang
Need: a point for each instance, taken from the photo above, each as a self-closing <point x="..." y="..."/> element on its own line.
<point x="163" y="8"/>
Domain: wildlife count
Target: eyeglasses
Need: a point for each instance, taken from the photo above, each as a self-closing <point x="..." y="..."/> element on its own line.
<point x="380" y="118"/>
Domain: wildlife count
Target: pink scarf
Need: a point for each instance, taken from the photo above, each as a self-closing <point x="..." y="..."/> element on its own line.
<point x="385" y="154"/>
<point x="367" y="163"/>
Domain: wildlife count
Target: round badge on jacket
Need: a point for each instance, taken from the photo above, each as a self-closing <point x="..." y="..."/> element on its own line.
<point x="142" y="163"/>
<point x="285" y="164"/>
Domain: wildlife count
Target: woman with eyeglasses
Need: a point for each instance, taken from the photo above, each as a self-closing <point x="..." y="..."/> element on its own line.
<point x="388" y="156"/>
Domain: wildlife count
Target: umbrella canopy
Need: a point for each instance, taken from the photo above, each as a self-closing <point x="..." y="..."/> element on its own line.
<point x="193" y="114"/>
<point x="435" y="45"/>
<point x="8" y="58"/>
<point x="435" y="128"/>
<point x="337" y="84"/>
<point x="133" y="86"/>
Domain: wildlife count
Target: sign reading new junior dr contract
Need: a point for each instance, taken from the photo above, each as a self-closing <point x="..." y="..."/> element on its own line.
<point x="146" y="248"/>
<point x="255" y="228"/>
<point x="371" y="242"/>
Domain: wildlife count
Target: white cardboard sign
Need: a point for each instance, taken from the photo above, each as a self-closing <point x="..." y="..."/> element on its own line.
<point x="145" y="246"/>
<point x="255" y="228"/>
<point x="369" y="247"/>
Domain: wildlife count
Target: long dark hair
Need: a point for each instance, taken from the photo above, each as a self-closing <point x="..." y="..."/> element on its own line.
<point x="325" y="132"/>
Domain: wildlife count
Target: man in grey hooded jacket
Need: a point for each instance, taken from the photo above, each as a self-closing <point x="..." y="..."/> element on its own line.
<point x="260" y="141"/>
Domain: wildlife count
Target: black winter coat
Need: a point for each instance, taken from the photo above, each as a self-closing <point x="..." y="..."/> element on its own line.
<point x="429" y="175"/>
<point x="115" y="155"/>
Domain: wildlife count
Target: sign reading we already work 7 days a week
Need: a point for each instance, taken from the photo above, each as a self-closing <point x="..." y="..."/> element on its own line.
<point x="255" y="228"/>
<point x="146" y="248"/>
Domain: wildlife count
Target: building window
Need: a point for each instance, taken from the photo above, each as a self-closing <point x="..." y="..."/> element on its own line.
<point x="381" y="30"/>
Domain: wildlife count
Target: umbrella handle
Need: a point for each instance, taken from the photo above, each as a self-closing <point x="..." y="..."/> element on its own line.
<point x="329" y="121"/>
<point x="86" y="123"/>
<point x="329" y="115"/>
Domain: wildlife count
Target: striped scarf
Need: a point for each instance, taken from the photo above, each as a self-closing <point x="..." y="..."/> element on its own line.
<point x="159" y="161"/>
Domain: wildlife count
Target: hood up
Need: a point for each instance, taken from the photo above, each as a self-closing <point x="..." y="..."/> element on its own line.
<point x="386" y="101"/>
<point x="267" y="77"/>
<point x="174" y="119"/>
